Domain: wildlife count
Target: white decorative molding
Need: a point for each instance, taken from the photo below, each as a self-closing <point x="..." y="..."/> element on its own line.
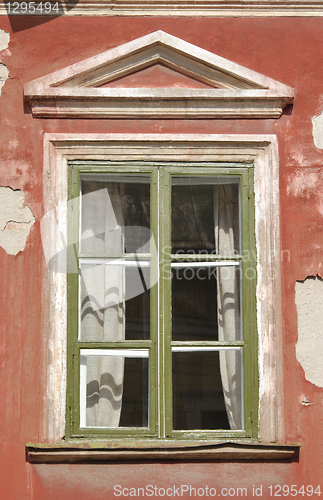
<point x="229" y="90"/>
<point x="192" y="8"/>
<point x="262" y="150"/>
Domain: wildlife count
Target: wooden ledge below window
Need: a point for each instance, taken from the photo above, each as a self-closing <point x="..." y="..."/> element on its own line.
<point x="95" y="452"/>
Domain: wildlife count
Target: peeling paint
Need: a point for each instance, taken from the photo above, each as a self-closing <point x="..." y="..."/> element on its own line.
<point x="16" y="220"/>
<point x="302" y="183"/>
<point x="317" y="130"/>
<point x="309" y="347"/>
<point x="307" y="184"/>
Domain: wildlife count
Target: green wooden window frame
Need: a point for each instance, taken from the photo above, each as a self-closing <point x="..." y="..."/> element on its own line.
<point x="160" y="344"/>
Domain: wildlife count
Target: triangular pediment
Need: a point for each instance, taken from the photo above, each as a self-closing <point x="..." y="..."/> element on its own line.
<point x="157" y="75"/>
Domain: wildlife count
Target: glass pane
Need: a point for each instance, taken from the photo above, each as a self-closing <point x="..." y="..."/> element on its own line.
<point x="115" y="301"/>
<point x="205" y="215"/>
<point x="114" y="389"/>
<point x="205" y="302"/>
<point x="207" y="389"/>
<point x="115" y="214"/>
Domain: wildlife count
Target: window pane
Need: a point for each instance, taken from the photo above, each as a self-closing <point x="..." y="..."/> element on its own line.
<point x="205" y="302"/>
<point x="115" y="214"/>
<point x="207" y="389"/>
<point x="114" y="301"/>
<point x="114" y="389"/>
<point x="205" y="215"/>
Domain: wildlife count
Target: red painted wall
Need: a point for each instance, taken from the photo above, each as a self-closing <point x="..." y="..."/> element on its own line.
<point x="286" y="49"/>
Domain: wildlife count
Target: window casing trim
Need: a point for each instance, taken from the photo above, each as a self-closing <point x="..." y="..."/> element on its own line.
<point x="263" y="152"/>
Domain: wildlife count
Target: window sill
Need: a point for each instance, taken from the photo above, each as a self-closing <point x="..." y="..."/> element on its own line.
<point x="96" y="452"/>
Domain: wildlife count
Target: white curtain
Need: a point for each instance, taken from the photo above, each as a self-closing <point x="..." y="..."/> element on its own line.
<point x="103" y="303"/>
<point x="226" y="234"/>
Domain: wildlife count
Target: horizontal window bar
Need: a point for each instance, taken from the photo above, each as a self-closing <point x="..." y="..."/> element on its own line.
<point x="205" y="349"/>
<point x="190" y="179"/>
<point x="205" y="257"/>
<point x="135" y="353"/>
<point x="206" y="264"/>
<point x="125" y="344"/>
<point x="126" y="256"/>
<point x="117" y="262"/>
<point x="215" y="344"/>
<point x="123" y="177"/>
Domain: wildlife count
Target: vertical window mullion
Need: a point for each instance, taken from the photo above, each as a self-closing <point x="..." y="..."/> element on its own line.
<point x="154" y="375"/>
<point x="165" y="302"/>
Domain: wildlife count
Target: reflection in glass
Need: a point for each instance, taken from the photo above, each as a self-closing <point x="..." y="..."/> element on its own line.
<point x="115" y="301"/>
<point x="115" y="214"/>
<point x="207" y="389"/>
<point x="114" y="389"/>
<point x="201" y="208"/>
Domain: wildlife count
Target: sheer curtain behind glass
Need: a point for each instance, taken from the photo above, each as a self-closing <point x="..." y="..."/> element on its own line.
<point x="226" y="227"/>
<point x="102" y="301"/>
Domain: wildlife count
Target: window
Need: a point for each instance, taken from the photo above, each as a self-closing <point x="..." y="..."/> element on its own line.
<point x="161" y="303"/>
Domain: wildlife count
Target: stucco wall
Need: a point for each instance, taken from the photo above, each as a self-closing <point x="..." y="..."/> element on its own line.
<point x="285" y="49"/>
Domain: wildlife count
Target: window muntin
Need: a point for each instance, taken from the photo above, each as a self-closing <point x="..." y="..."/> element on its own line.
<point x="163" y="346"/>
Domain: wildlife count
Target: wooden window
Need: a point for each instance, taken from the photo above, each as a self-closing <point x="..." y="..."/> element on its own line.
<point x="161" y="301"/>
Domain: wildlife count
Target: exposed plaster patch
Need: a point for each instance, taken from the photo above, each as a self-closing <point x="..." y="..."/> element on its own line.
<point x="309" y="347"/>
<point x="4" y="40"/>
<point x="4" y="73"/>
<point x="317" y="130"/>
<point x="16" y="220"/>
